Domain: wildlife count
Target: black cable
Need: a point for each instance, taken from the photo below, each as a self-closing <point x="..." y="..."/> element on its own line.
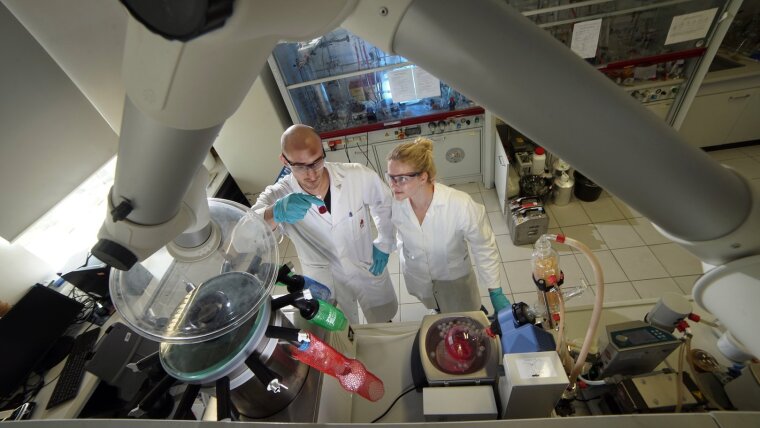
<point x="408" y="390"/>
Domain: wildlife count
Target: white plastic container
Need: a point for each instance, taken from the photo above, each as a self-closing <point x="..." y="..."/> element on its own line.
<point x="563" y="189"/>
<point x="539" y="161"/>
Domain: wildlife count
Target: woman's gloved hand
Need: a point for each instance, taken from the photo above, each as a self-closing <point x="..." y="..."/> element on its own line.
<point x="293" y="207"/>
<point x="379" y="260"/>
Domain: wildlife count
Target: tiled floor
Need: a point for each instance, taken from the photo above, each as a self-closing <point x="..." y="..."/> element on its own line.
<point x="638" y="262"/>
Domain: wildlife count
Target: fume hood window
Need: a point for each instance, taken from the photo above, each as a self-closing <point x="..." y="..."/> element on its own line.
<point x="340" y="82"/>
<point x="72" y="226"/>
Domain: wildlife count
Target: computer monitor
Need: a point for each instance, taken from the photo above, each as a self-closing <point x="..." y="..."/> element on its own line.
<point x="29" y="330"/>
<point x="93" y="280"/>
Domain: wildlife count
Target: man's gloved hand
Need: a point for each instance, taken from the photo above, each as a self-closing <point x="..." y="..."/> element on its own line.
<point x="379" y="260"/>
<point x="293" y="207"/>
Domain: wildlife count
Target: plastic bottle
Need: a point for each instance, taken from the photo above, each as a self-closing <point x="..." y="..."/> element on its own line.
<point x="498" y="299"/>
<point x="563" y="189"/>
<point x="539" y="161"/>
<point x="295" y="282"/>
<point x="352" y="374"/>
<point x="322" y="314"/>
<point x="545" y="265"/>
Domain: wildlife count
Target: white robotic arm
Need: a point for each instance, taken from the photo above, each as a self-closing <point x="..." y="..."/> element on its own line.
<point x="180" y="93"/>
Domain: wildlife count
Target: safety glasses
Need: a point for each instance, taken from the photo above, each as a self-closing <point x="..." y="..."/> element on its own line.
<point x="401" y="179"/>
<point x="300" y="168"/>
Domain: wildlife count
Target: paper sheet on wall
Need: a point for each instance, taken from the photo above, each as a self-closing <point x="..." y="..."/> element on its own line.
<point x="586" y="38"/>
<point x="690" y="26"/>
<point x="425" y="84"/>
<point x="402" y="85"/>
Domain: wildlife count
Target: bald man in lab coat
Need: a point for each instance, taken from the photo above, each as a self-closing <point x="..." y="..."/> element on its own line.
<point x="325" y="209"/>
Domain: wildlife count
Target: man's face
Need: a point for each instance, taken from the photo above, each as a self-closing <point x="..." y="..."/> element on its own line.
<point x="308" y="167"/>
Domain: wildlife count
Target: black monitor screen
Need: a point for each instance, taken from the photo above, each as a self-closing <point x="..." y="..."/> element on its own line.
<point x="90" y="279"/>
<point x="29" y="330"/>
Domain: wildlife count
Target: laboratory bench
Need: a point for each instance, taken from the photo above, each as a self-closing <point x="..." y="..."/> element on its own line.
<point x="385" y="349"/>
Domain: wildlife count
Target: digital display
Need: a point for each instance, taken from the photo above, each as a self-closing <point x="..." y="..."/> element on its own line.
<point x="413" y="130"/>
<point x="640" y="337"/>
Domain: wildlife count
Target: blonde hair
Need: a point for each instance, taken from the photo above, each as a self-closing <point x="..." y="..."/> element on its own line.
<point x="418" y="154"/>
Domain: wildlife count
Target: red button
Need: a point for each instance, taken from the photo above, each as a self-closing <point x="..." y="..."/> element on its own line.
<point x="322" y="209"/>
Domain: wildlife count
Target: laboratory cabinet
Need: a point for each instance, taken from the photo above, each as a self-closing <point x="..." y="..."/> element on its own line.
<point x="457" y="155"/>
<point x="711" y="118"/>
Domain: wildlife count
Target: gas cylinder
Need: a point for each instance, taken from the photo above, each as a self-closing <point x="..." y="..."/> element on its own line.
<point x="563" y="189"/>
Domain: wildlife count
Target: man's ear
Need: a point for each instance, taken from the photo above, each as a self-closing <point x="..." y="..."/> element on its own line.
<point x="282" y="159"/>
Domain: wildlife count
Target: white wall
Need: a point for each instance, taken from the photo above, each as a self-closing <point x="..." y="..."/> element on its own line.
<point x="19" y="270"/>
<point x="52" y="136"/>
<point x="249" y="144"/>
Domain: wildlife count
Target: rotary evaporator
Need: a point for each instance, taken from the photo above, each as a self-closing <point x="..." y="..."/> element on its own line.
<point x="221" y="333"/>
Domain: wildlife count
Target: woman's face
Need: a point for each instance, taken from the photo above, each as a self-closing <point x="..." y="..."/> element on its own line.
<point x="404" y="180"/>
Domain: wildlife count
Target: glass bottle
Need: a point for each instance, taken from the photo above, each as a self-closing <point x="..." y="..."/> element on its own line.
<point x="545" y="265"/>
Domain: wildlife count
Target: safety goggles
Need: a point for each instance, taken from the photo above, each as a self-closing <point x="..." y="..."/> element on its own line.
<point x="315" y="166"/>
<point x="401" y="179"/>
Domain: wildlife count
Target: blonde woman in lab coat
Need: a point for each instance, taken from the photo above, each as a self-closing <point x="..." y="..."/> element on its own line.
<point x="434" y="225"/>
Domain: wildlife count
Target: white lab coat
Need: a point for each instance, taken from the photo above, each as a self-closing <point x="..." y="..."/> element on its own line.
<point x="335" y="248"/>
<point x="434" y="257"/>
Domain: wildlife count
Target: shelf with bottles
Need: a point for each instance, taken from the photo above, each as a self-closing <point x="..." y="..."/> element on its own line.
<point x="637" y="39"/>
<point x="340" y="84"/>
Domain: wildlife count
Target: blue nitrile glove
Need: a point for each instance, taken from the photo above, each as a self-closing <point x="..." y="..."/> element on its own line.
<point x="379" y="260"/>
<point x="293" y="208"/>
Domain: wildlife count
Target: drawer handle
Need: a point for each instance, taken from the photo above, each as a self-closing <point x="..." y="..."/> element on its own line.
<point x="501" y="161"/>
<point x="740" y="97"/>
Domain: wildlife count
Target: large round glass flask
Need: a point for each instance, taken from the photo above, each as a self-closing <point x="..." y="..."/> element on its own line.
<point x="181" y="295"/>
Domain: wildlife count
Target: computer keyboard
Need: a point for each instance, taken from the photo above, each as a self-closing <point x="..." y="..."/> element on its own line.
<point x="70" y="378"/>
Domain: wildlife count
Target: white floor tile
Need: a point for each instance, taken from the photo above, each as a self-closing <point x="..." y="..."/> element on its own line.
<point x="619" y="292"/>
<point x="611" y="270"/>
<point x="510" y="252"/>
<point x="467" y="187"/>
<point x="676" y="260"/>
<point x="552" y="221"/>
<point x="747" y="167"/>
<point x="725" y="154"/>
<point x="569" y="215"/>
<point x="650" y="288"/>
<point x="686" y="283"/>
<point x="520" y="276"/>
<point x="477" y="197"/>
<point x="498" y="223"/>
<point x="572" y="270"/>
<point x="587" y="298"/>
<point x="619" y="234"/>
<point x="602" y="209"/>
<point x="587" y="234"/>
<point x="490" y="200"/>
<point x="627" y="211"/>
<point x="648" y="233"/>
<point x="639" y="263"/>
<point x="412" y="312"/>
<point x="529" y="298"/>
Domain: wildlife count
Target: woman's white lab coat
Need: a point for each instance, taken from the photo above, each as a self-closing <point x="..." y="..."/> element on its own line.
<point x="434" y="257"/>
<point x="335" y="248"/>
